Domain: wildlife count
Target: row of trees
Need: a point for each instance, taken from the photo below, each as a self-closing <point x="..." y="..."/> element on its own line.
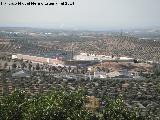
<point x="62" y="105"/>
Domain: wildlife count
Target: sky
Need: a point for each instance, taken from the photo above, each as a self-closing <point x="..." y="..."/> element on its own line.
<point x="85" y="14"/>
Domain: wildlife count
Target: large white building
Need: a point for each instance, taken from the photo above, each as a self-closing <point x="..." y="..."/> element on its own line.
<point x="37" y="59"/>
<point x="85" y="56"/>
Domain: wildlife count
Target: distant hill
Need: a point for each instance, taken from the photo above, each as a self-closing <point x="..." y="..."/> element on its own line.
<point x="27" y="40"/>
<point x="128" y="46"/>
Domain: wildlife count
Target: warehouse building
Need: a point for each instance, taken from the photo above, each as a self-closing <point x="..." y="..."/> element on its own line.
<point x="38" y="59"/>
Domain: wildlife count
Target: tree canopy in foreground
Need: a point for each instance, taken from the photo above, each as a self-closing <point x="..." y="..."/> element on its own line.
<point x="62" y="105"/>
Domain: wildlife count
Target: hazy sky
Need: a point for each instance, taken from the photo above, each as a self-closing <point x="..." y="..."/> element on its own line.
<point x="85" y="14"/>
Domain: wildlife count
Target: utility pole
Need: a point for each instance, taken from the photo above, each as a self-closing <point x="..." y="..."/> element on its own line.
<point x="72" y="50"/>
<point x="121" y="33"/>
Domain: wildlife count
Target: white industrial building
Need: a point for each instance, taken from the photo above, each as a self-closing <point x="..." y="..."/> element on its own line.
<point x="37" y="59"/>
<point x="86" y="56"/>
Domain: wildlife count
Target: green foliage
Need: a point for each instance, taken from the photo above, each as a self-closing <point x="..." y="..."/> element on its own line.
<point x="156" y="69"/>
<point x="14" y="65"/>
<point x="12" y="107"/>
<point x="61" y="105"/>
<point x="57" y="105"/>
<point x="157" y="88"/>
<point x="117" y="110"/>
<point x="37" y="66"/>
